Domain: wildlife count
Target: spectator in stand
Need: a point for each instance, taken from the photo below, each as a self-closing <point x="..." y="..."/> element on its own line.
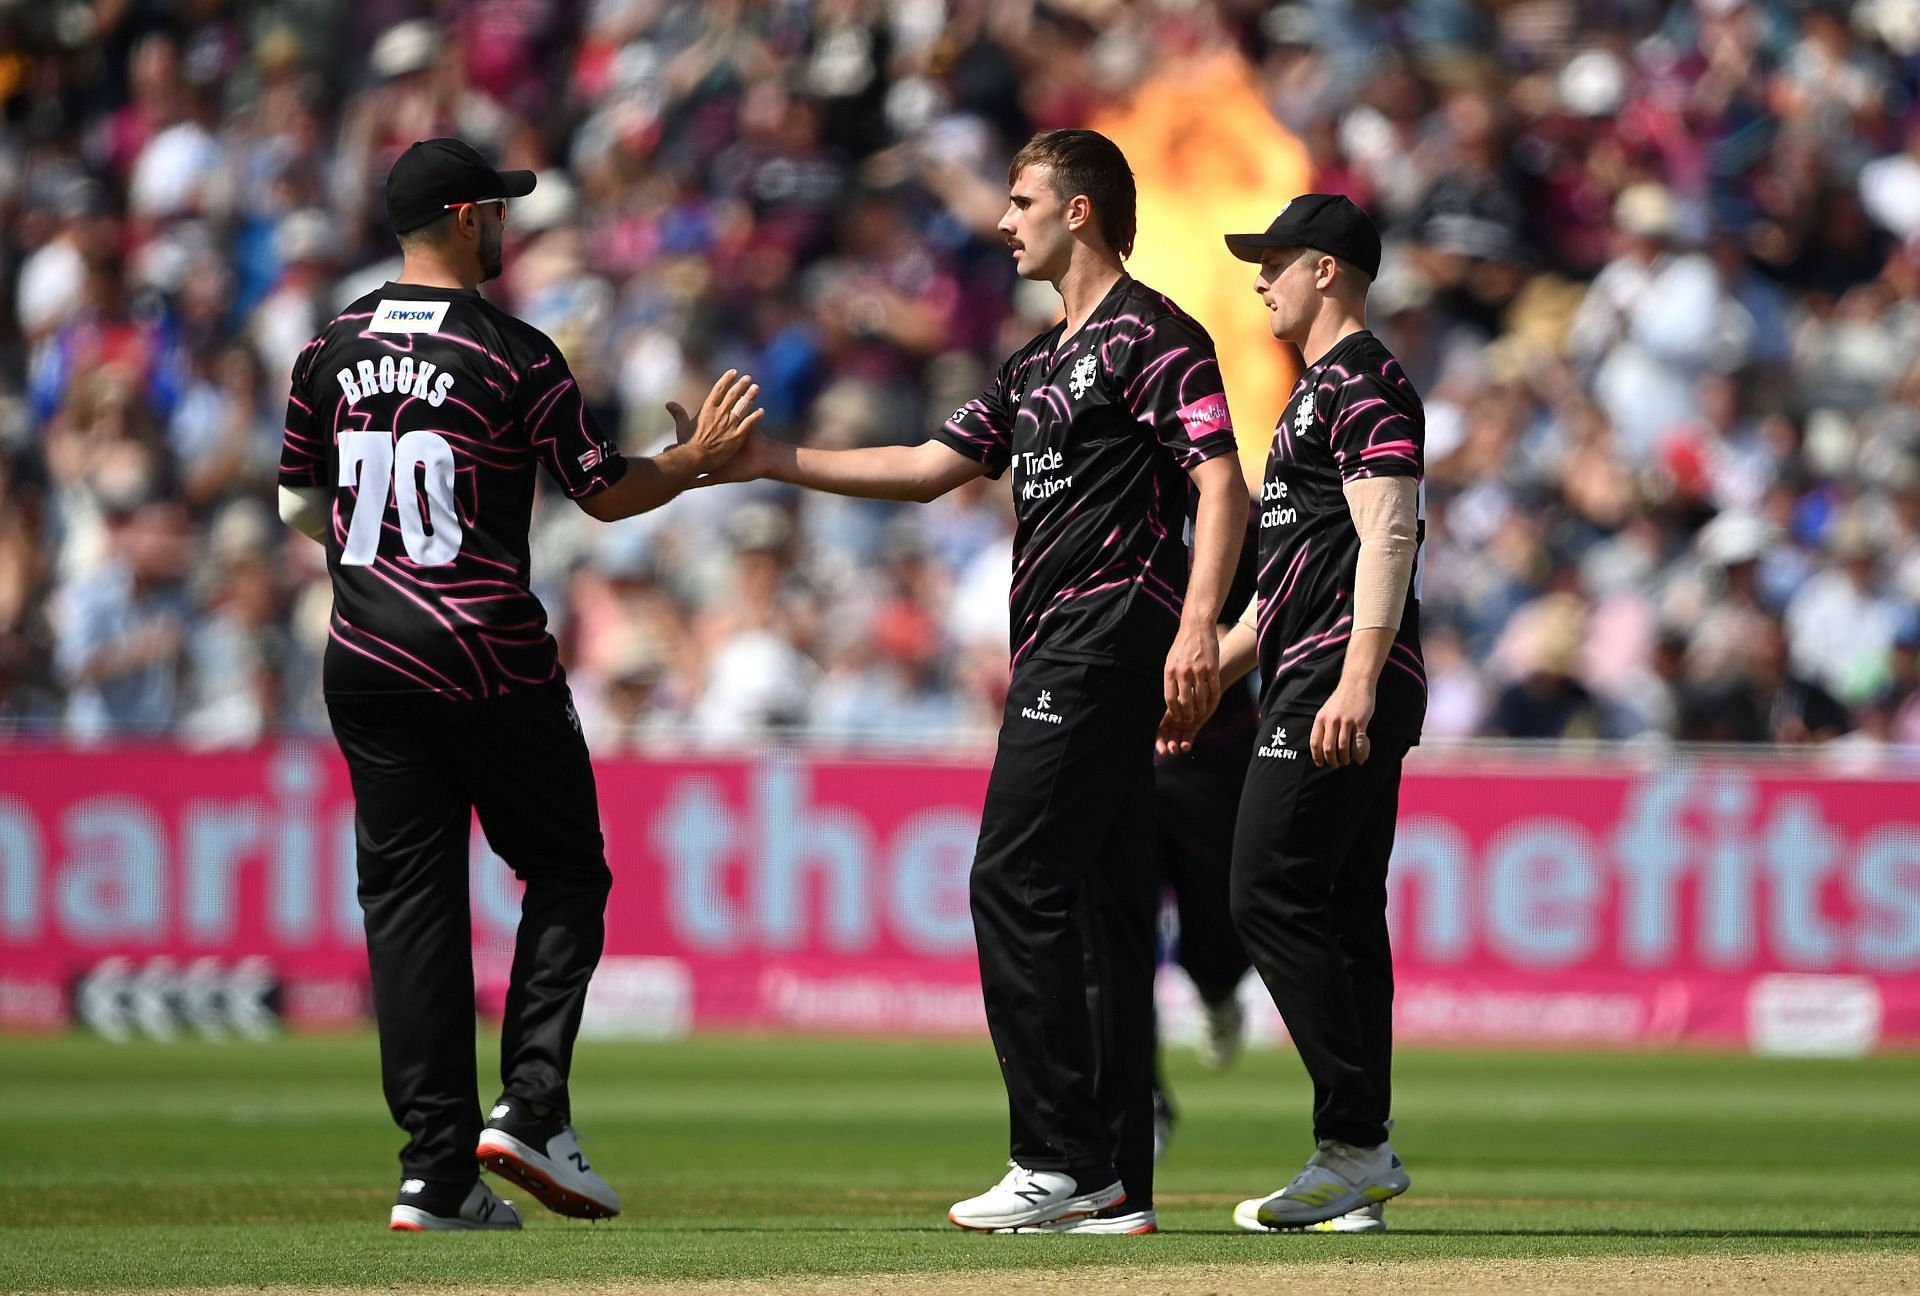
<point x="123" y="629"/>
<point x="1839" y="624"/>
<point x="1547" y="698"/>
<point x="1656" y="319"/>
<point x="760" y="680"/>
<point x="1760" y="700"/>
<point x="1656" y="267"/>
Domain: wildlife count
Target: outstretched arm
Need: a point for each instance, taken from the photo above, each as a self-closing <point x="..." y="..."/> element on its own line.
<point x="919" y="472"/>
<point x="702" y="444"/>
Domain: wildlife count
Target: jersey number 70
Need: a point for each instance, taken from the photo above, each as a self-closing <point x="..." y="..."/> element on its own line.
<point x="380" y="468"/>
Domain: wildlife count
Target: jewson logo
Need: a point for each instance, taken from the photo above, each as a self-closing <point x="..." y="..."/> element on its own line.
<point x="408" y="317"/>
<point x="1276" y="748"/>
<point x="1042" y="710"/>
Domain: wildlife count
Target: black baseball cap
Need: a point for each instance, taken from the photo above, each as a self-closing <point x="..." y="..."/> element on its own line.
<point x="433" y="175"/>
<point x="1329" y="222"/>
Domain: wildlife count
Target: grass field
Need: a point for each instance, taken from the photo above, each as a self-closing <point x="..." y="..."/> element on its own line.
<point x="763" y="1164"/>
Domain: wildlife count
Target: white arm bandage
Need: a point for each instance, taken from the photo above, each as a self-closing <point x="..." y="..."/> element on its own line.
<point x="1386" y="513"/>
<point x="304" y="508"/>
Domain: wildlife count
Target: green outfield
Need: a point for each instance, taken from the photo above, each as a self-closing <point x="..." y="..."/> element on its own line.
<point x="150" y="1166"/>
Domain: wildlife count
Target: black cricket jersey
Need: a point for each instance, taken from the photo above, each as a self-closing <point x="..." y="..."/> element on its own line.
<point x="1353" y="414"/>
<point x="1100" y="430"/>
<point x="425" y="411"/>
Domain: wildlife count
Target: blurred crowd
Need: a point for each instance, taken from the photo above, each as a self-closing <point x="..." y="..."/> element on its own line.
<point x="1655" y="265"/>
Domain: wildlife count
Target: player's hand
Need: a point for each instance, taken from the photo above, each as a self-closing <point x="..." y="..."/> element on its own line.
<point x="750" y="463"/>
<point x="1193" y="675"/>
<point x="725" y="421"/>
<point x="1174" y="738"/>
<point x="1340" y="730"/>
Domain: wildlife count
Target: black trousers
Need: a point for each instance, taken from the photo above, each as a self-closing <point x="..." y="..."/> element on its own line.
<point x="421" y="767"/>
<point x="1310" y="901"/>
<point x="1062" y="894"/>
<point x="1196" y="801"/>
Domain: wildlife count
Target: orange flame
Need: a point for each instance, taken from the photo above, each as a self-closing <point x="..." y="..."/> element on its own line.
<point x="1210" y="160"/>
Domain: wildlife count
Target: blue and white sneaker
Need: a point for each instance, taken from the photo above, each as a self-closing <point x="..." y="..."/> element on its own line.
<point x="1367" y="1219"/>
<point x="1338" y="1178"/>
<point x="542" y="1155"/>
<point x="423" y="1207"/>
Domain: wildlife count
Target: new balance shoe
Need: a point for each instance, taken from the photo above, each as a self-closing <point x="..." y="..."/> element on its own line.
<point x="1128" y="1223"/>
<point x="1338" y="1178"/>
<point x="542" y="1155"/>
<point x="423" y="1207"/>
<point x="1225" y="1031"/>
<point x="1367" y="1219"/>
<point x="1026" y="1197"/>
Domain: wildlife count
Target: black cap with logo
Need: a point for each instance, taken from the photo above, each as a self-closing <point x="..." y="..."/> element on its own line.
<point x="1327" y="222"/>
<point x="434" y="175"/>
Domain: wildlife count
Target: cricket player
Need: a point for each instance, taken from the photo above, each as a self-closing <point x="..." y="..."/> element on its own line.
<point x="1336" y="633"/>
<point x="415" y="425"/>
<point x="1108" y="422"/>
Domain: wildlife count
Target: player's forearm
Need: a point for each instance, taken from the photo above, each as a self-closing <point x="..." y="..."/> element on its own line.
<point x="871" y="472"/>
<point x="647" y="484"/>
<point x="1219" y="529"/>
<point x="1239" y="649"/>
<point x="1366" y="657"/>
<point x="1386" y="518"/>
<point x="1372" y="637"/>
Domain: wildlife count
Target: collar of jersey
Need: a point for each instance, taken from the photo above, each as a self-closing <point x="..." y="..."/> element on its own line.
<point x="392" y="289"/>
<point x="1334" y="351"/>
<point x="1107" y="303"/>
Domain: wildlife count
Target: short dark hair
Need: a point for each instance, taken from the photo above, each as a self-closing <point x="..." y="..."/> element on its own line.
<point x="1086" y="162"/>
<point x="1346" y="267"/>
<point x="428" y="235"/>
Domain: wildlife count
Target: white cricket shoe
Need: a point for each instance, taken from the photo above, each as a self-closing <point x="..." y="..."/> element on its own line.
<point x="1367" y="1219"/>
<point x="544" y="1157"/>
<point x="1131" y="1224"/>
<point x="1026" y="1196"/>
<point x="1338" y="1178"/>
<point x="415" y="1211"/>
<point x="1224" y="1034"/>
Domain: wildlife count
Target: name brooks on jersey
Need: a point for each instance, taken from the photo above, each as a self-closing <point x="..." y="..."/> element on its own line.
<point x="420" y="379"/>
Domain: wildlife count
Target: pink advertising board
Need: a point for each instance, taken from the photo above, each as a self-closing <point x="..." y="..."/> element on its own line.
<point x="1533" y="902"/>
